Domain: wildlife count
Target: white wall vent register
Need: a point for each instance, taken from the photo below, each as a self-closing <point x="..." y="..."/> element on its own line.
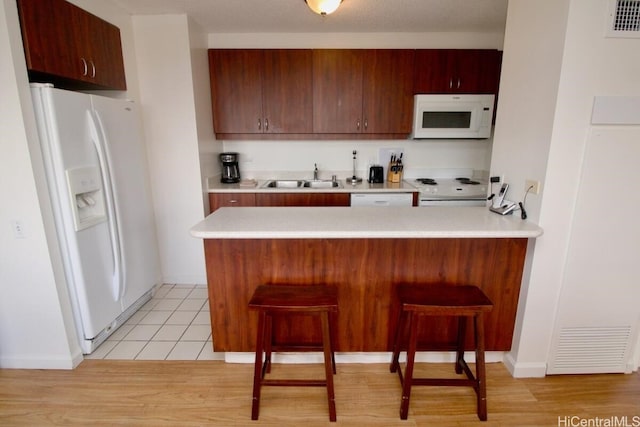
<point x="624" y="19"/>
<point x="592" y="349"/>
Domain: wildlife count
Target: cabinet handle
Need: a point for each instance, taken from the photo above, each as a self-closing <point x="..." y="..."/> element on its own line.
<point x="458" y="83"/>
<point x="259" y="124"/>
<point x="266" y="125"/>
<point x="231" y="202"/>
<point x="93" y="68"/>
<point x="451" y="83"/>
<point x="85" y="67"/>
<point x="366" y="124"/>
<point x="358" y="124"/>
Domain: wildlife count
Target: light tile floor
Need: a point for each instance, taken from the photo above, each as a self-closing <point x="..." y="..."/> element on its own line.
<point x="173" y="325"/>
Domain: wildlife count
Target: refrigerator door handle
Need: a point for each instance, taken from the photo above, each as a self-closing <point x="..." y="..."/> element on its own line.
<point x="99" y="139"/>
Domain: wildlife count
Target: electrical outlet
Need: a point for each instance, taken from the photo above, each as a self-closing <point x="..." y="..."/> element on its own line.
<point x="18" y="229"/>
<point x="532" y="186"/>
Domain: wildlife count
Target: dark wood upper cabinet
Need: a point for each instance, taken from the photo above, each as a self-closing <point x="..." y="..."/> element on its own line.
<point x="387" y="94"/>
<point x="457" y="71"/>
<point x="337" y="90"/>
<point x="99" y="43"/>
<point x="258" y="91"/>
<point x="337" y="93"/>
<point x="70" y="47"/>
<point x="366" y="91"/>
<point x="236" y="90"/>
<point x="49" y="47"/>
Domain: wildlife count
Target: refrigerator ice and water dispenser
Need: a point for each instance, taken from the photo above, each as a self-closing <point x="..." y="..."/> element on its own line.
<point x="86" y="196"/>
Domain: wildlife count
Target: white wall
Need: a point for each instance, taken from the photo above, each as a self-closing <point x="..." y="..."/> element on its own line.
<point x="549" y="81"/>
<point x="357" y="40"/>
<point x="595" y="65"/>
<point x="36" y="329"/>
<point x="36" y="322"/>
<point x="531" y="65"/>
<point x="207" y="146"/>
<point x="263" y="159"/>
<point x="176" y="136"/>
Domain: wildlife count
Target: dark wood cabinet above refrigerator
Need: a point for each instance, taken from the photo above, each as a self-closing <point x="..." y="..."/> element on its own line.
<point x="70" y="47"/>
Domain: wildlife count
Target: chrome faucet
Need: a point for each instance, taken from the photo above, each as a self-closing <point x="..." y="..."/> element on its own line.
<point x="315" y="172"/>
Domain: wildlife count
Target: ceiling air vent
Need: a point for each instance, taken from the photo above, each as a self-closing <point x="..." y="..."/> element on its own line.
<point x="624" y="19"/>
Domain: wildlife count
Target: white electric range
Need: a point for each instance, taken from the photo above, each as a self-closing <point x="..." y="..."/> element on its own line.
<point x="449" y="187"/>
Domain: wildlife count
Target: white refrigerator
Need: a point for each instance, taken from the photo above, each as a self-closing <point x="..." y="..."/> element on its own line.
<point x="96" y="171"/>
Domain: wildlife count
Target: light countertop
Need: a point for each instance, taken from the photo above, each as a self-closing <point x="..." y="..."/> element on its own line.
<point x="361" y="222"/>
<point x="215" y="186"/>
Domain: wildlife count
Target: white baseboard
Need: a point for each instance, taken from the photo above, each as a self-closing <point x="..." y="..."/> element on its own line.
<point x="524" y="370"/>
<point x="368" y="357"/>
<point x="41" y="363"/>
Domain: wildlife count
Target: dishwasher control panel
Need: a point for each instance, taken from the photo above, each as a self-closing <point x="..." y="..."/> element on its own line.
<point x="382" y="199"/>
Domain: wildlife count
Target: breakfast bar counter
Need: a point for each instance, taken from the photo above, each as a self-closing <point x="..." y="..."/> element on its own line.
<point x="364" y="252"/>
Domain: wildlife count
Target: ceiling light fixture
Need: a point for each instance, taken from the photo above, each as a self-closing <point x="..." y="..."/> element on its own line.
<point x="323" y="7"/>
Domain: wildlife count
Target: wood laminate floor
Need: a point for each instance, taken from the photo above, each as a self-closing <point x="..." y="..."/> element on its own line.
<point x="202" y="393"/>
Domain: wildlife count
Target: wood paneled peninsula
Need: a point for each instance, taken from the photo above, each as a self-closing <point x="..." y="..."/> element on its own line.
<point x="364" y="252"/>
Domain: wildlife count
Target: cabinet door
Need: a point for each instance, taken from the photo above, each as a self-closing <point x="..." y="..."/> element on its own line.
<point x="220" y="200"/>
<point x="457" y="71"/>
<point x="287" y="91"/>
<point x="236" y="90"/>
<point x="489" y="71"/>
<point x="70" y="46"/>
<point x="476" y="71"/>
<point x="388" y="91"/>
<point x="433" y="72"/>
<point x="99" y="50"/>
<point x="302" y="199"/>
<point x="337" y="90"/>
<point x="48" y="37"/>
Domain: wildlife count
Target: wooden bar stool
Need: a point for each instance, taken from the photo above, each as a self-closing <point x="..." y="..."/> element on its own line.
<point x="463" y="301"/>
<point x="316" y="300"/>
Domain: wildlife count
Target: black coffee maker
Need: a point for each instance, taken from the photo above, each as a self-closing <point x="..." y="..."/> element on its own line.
<point x="230" y="170"/>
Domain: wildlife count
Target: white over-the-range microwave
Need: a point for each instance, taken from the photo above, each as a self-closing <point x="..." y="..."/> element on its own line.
<point x="452" y="116"/>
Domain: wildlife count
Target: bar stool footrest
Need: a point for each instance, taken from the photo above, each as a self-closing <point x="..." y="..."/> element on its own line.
<point x="459" y="382"/>
<point x="295" y="383"/>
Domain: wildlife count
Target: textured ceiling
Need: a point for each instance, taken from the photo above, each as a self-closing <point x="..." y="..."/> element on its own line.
<point x="353" y="16"/>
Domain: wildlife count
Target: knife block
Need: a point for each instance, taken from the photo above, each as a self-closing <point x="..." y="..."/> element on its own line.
<point x="394" y="173"/>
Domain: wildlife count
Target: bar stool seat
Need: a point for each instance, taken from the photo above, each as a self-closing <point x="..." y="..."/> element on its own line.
<point x="461" y="301"/>
<point x="317" y="300"/>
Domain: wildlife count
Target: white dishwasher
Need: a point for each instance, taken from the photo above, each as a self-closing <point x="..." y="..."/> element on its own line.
<point x="382" y="199"/>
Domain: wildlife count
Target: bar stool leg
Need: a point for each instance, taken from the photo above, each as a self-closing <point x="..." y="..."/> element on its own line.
<point x="408" y="376"/>
<point x="257" y="373"/>
<point x="332" y="331"/>
<point x="396" y="341"/>
<point x="328" y="365"/>
<point x="268" y="342"/>
<point x="462" y="332"/>
<point x="480" y="368"/>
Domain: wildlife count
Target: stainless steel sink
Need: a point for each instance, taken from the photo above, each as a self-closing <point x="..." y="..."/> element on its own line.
<point x="283" y="183"/>
<point x="293" y="183"/>
<point x="322" y="184"/>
